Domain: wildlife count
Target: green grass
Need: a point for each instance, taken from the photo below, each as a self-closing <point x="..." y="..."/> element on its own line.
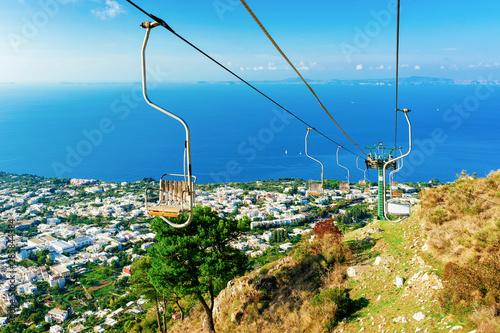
<point x="97" y="276"/>
<point x="393" y="245"/>
<point x="103" y="291"/>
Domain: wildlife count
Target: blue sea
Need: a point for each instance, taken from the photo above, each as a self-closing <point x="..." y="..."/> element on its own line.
<point x="108" y="132"/>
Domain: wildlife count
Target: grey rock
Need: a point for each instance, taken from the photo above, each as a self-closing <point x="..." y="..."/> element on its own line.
<point x="400" y="281"/>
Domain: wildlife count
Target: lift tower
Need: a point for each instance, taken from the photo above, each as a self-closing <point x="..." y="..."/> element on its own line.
<point x="376" y="159"/>
<point x="380" y="158"/>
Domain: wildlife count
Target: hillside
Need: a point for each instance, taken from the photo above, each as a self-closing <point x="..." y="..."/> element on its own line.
<point x="437" y="271"/>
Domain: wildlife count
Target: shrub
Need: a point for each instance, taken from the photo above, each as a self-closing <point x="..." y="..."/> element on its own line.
<point x="327" y="227"/>
<point x="333" y="305"/>
<point x="264" y="269"/>
<point x="469" y="287"/>
<point x="438" y="216"/>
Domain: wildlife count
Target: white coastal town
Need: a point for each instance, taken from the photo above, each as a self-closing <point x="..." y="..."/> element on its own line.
<point x="75" y="240"/>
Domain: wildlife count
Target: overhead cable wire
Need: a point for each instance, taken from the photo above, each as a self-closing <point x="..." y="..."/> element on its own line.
<point x="166" y="26"/>
<point x="397" y="76"/>
<point x="295" y="69"/>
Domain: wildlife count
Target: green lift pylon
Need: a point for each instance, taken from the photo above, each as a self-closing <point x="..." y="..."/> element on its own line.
<point x="378" y="156"/>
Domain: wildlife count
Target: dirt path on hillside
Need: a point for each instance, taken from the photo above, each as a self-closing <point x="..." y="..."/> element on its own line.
<point x="386" y="253"/>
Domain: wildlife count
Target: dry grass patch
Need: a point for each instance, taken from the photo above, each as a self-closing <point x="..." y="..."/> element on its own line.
<point x="462" y="220"/>
<point x="304" y="292"/>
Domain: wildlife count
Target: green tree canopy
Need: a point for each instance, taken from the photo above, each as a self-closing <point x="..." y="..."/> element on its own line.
<point x="198" y="259"/>
<point x="141" y="285"/>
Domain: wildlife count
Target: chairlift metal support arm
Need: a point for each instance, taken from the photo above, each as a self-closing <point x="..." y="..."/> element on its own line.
<point x="399" y="166"/>
<point x="364" y="171"/>
<point x="348" y="179"/>
<point x="187" y="150"/>
<point x="322" y="168"/>
<point x="405" y="111"/>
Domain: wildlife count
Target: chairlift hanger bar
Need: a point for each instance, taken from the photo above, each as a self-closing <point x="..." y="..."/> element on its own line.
<point x="397" y="76"/>
<point x="166" y="26"/>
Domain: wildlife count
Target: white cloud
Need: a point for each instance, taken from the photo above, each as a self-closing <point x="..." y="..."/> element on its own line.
<point x="380" y="67"/>
<point x="111" y="10"/>
<point x="417" y="67"/>
<point x="258" y="68"/>
<point x="271" y="66"/>
<point x="242" y="69"/>
<point x="405" y="66"/>
<point x="450" y="49"/>
<point x="442" y="67"/>
<point x="303" y="66"/>
<point x="359" y="67"/>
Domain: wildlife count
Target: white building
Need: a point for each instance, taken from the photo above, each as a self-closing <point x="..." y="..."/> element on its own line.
<point x="53" y="220"/>
<point x="57" y="280"/>
<point x="62" y="246"/>
<point x="26" y="288"/>
<point x="77" y="329"/>
<point x="135" y="226"/>
<point x="35" y="242"/>
<point x="48" y="239"/>
<point x="56" y="315"/>
<point x="82" y="241"/>
<point x="96" y="248"/>
<point x="286" y="246"/>
<point x="146" y="246"/>
<point x="25" y="252"/>
<point x="111" y="260"/>
<point x="60" y="270"/>
<point x="98" y="329"/>
<point x="56" y="329"/>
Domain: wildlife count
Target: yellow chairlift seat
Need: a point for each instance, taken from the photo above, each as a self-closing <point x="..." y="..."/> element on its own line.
<point x="315" y="188"/>
<point x="164" y="210"/>
<point x="174" y="198"/>
<point x="345" y="187"/>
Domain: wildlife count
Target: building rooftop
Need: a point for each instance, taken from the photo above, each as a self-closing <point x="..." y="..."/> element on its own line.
<point x="37" y="241"/>
<point x="59" y="269"/>
<point x="62" y="244"/>
<point x="48" y="238"/>
<point x="56" y="311"/>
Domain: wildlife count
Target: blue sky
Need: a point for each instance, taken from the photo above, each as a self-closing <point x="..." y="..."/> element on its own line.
<point x="100" y="40"/>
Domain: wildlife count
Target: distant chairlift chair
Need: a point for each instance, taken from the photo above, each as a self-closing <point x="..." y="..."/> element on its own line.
<point x="175" y="196"/>
<point x="361" y="182"/>
<point x="393" y="192"/>
<point x="343" y="186"/>
<point x="315" y="188"/>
